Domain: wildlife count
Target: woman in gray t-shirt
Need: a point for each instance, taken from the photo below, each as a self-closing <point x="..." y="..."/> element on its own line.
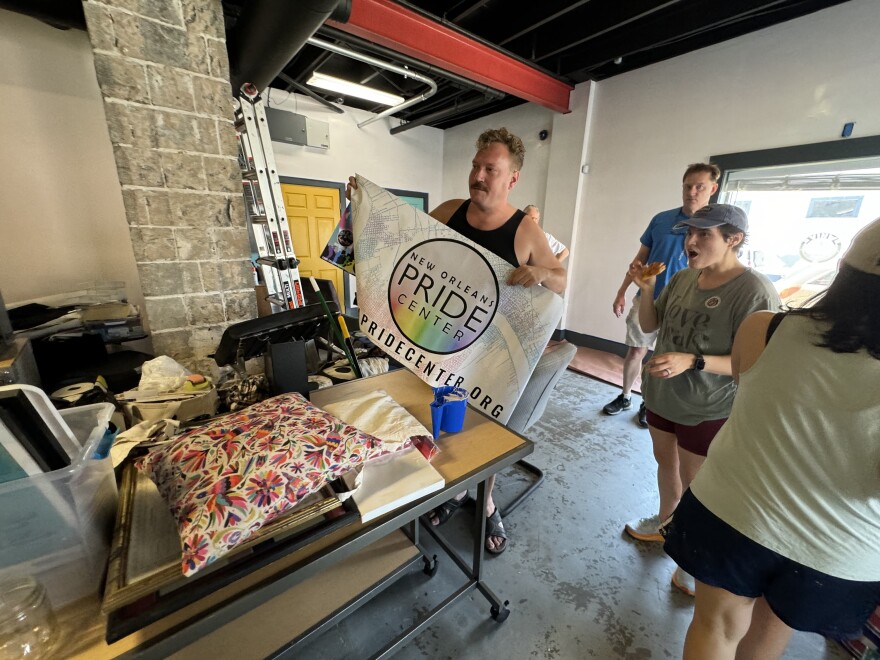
<point x="687" y="386"/>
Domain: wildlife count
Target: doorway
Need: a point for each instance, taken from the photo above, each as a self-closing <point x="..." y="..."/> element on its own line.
<point x="313" y="209"/>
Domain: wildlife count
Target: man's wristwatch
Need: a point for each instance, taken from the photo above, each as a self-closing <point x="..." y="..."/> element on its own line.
<point x="699" y="363"/>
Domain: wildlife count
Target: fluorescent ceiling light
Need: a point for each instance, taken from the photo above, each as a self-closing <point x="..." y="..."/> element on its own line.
<point x="353" y="89"/>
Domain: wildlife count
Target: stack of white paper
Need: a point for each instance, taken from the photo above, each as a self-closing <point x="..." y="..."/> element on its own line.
<point x="392" y="481"/>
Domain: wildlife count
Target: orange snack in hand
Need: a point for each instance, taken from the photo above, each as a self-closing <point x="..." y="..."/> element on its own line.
<point x="654" y="269"/>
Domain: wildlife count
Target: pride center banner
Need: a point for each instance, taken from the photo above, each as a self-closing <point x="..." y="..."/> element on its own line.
<point x="438" y="303"/>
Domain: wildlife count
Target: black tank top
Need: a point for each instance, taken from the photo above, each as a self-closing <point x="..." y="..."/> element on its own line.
<point x="500" y="241"/>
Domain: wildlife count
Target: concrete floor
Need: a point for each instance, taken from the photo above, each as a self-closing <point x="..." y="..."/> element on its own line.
<point x="577" y="586"/>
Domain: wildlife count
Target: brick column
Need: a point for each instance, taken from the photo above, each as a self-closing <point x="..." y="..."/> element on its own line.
<point x="164" y="75"/>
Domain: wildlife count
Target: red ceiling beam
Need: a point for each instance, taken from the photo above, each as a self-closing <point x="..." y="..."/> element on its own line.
<point x="407" y="32"/>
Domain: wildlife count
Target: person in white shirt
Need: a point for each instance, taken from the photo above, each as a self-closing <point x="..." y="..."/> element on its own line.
<point x="556" y="246"/>
<point x="781" y="526"/>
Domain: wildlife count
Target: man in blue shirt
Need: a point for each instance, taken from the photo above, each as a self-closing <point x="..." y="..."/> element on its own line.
<point x="659" y="243"/>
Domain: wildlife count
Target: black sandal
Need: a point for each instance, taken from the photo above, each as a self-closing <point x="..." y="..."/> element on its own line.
<point x="446" y="510"/>
<point x="494" y="527"/>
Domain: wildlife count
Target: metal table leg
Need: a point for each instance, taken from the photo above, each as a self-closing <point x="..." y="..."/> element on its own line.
<point x="474" y="570"/>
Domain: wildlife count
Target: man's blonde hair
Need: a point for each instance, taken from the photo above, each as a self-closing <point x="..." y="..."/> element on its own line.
<point x="514" y="145"/>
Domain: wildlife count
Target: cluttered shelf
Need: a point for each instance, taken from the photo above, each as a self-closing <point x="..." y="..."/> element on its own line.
<point x="99" y="308"/>
<point x="72" y="338"/>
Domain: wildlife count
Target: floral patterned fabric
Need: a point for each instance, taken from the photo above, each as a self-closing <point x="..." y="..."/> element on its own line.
<point x="225" y="480"/>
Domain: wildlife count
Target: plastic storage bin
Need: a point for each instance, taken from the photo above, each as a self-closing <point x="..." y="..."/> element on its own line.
<point x="57" y="526"/>
<point x="88" y="423"/>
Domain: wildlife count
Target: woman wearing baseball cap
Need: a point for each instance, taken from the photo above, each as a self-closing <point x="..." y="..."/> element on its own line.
<point x="781" y="526"/>
<point x="687" y="386"/>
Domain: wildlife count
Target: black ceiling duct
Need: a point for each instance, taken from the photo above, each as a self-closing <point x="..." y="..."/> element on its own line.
<point x="62" y="14"/>
<point x="270" y="32"/>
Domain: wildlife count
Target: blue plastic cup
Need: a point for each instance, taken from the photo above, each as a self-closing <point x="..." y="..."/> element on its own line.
<point x="447" y="410"/>
<point x="453" y="415"/>
<point x="436" y="418"/>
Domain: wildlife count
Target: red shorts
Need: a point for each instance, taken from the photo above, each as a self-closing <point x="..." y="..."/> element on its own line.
<point x="695" y="439"/>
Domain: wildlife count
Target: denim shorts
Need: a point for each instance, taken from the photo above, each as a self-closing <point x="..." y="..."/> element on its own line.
<point x="805" y="599"/>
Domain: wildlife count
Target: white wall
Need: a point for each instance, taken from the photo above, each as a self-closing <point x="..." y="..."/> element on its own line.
<point x="565" y="182"/>
<point x="526" y="121"/>
<point x="61" y="215"/>
<point x="410" y="160"/>
<point x="795" y="83"/>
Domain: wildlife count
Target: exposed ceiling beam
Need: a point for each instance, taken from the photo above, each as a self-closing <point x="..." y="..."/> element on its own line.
<point x="544" y="21"/>
<point x="405" y="31"/>
<point x="442" y="114"/>
<point x="617" y="26"/>
<point x="305" y="70"/>
<point x="490" y="108"/>
<point x="450" y="97"/>
<point x="685" y="25"/>
<point x="467" y="12"/>
<point x="302" y="89"/>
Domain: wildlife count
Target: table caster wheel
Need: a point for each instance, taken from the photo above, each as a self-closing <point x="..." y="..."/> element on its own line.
<point x="430" y="566"/>
<point x="500" y="614"/>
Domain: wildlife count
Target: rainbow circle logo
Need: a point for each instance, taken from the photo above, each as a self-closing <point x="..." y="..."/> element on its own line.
<point x="443" y="295"/>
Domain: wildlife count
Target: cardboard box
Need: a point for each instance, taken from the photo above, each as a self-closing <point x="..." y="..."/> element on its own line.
<point x="181" y="407"/>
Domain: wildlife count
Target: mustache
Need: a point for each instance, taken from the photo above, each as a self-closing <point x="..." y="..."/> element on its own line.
<point x="479" y="186"/>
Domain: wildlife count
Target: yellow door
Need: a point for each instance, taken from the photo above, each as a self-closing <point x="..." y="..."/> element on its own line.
<point x="313" y="213"/>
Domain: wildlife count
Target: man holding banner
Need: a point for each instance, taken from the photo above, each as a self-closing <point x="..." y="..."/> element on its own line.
<point x="488" y="219"/>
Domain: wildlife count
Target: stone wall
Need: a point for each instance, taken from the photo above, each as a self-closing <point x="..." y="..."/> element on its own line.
<point x="164" y="75"/>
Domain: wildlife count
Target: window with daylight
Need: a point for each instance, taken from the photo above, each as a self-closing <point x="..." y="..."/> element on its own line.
<point x="804" y="204"/>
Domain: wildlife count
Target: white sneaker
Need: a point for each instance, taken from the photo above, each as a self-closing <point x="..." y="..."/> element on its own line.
<point x="684" y="581"/>
<point x="646" y="529"/>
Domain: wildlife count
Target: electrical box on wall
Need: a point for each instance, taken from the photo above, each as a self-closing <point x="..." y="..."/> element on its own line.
<point x="317" y="133"/>
<point x="292" y="128"/>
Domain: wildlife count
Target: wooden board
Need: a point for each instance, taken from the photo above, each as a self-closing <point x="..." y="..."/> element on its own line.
<point x="257" y="633"/>
<point x="283" y="618"/>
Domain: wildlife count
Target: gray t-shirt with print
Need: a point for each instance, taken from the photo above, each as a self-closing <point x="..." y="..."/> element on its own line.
<point x="702" y="322"/>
